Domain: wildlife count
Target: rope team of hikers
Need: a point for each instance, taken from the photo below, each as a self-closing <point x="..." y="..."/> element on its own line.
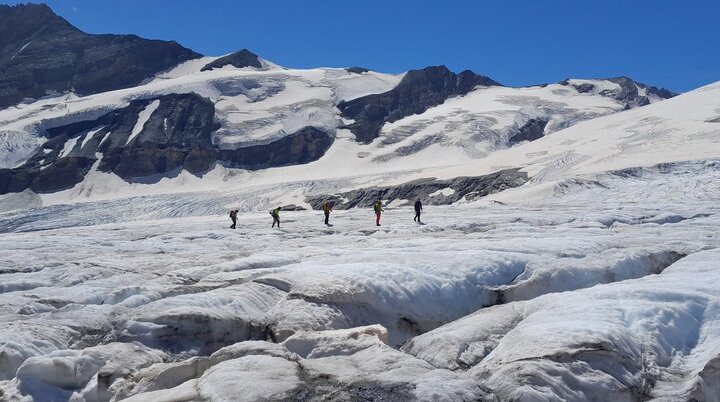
<point x="327" y="207"/>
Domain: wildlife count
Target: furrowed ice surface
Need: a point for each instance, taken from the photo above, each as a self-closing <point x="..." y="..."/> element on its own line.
<point x="655" y="337"/>
<point x="464" y="307"/>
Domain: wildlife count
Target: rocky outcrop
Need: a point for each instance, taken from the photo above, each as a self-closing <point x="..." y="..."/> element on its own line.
<point x="42" y="53"/>
<point x="418" y="91"/>
<point x="432" y="191"/>
<point x="627" y="93"/>
<point x="532" y="130"/>
<point x="150" y="139"/>
<point x="303" y="146"/>
<point x="357" y="70"/>
<point x="239" y="59"/>
<point x="177" y="133"/>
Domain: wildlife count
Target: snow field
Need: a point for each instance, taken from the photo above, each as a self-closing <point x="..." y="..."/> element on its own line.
<point x="253" y="105"/>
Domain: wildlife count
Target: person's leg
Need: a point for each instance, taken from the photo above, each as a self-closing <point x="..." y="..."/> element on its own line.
<point x="327" y="217"/>
<point x="234" y="223"/>
<point x="377" y="218"/>
<point x="419" y="217"/>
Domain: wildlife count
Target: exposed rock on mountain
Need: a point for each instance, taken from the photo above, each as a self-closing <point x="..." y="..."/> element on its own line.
<point x="357" y="70"/>
<point x="530" y="131"/>
<point x="148" y="139"/>
<point x="432" y="191"/>
<point x="418" y="91"/>
<point x="239" y="59"/>
<point x="42" y="53"/>
<point x="631" y="93"/>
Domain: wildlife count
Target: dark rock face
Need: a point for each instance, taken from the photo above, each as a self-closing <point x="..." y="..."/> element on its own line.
<point x="417" y="91"/>
<point x="530" y="131"/>
<point x="584" y="88"/>
<point x="470" y="188"/>
<point x="41" y="52"/>
<point x="177" y="134"/>
<point x="177" y="130"/>
<point x="15" y="180"/>
<point x="305" y="145"/>
<point x="59" y="176"/>
<point x="65" y="172"/>
<point x="292" y="207"/>
<point x="239" y="59"/>
<point x="357" y="70"/>
<point x="628" y="93"/>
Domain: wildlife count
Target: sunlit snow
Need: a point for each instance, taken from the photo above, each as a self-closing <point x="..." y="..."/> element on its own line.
<point x="599" y="279"/>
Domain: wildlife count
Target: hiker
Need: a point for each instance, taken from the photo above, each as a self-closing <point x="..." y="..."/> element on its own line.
<point x="327" y="207"/>
<point x="378" y="211"/>
<point x="276" y="216"/>
<point x="233" y="216"/>
<point x="418" y="208"/>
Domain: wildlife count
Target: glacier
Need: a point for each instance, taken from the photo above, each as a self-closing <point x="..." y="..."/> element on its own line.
<point x="592" y="273"/>
<point x="571" y="298"/>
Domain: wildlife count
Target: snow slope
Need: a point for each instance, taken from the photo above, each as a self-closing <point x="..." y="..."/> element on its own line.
<point x="639" y="137"/>
<point x="678" y="129"/>
<point x="257" y="106"/>
<point x="253" y="105"/>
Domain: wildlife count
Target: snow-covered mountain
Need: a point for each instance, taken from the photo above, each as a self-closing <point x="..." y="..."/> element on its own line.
<point x="241" y="112"/>
<point x="252" y="118"/>
<point x="569" y="249"/>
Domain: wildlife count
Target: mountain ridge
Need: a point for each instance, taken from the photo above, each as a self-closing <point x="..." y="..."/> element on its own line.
<point x="49" y="55"/>
<point x="250" y="114"/>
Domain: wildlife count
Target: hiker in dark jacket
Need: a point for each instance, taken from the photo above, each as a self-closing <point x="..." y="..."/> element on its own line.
<point x="276" y="216"/>
<point x="233" y="216"/>
<point x="327" y="208"/>
<point x="418" y="208"/>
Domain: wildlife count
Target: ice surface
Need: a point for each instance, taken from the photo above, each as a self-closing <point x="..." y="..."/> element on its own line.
<point x="569" y="298"/>
<point x="632" y="338"/>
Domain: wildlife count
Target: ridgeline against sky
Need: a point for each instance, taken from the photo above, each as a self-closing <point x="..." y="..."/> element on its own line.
<point x="664" y="43"/>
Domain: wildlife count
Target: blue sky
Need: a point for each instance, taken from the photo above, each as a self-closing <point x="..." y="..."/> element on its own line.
<point x="673" y="44"/>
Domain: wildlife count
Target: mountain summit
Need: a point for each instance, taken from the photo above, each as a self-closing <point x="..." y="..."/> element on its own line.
<point x="41" y="53"/>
